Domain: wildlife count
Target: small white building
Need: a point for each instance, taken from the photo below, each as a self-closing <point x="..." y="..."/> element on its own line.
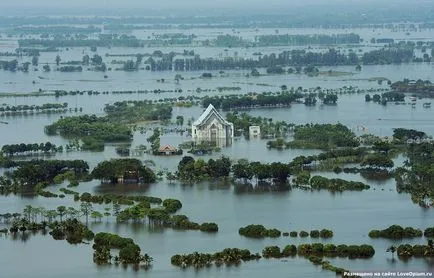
<point x="212" y="127"/>
<point x="254" y="131"/>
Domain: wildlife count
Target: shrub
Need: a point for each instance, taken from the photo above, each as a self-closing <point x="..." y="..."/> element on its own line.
<point x="314" y="234"/>
<point x="209" y="227"/>
<point x="405" y="250"/>
<point x="342" y="250"/>
<point x="315" y="260"/>
<point x="303" y="234"/>
<point x="396" y="232"/>
<point x="256" y="231"/>
<point x="172" y="205"/>
<point x="304" y="249"/>
<point x="274" y="233"/>
<point x="271" y="252"/>
<point x="419" y="250"/>
<point x="324" y="233"/>
<point x="374" y="234"/>
<point x="330" y="249"/>
<point x="429" y="232"/>
<point x="289" y="250"/>
<point x="317" y="248"/>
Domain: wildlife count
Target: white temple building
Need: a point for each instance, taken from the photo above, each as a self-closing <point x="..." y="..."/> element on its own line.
<point x="212" y="127"/>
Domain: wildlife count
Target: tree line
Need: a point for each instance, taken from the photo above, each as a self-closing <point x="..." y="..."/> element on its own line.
<point x="19" y="149"/>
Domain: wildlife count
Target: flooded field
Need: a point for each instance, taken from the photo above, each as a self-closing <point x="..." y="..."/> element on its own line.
<point x="351" y="215"/>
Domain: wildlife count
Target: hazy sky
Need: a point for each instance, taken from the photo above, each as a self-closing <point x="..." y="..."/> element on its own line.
<point x="192" y="3"/>
<point x="200" y="6"/>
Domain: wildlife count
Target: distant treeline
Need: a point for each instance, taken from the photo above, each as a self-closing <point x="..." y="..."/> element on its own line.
<point x="332" y="57"/>
<point x="416" y="87"/>
<point x="111" y="40"/>
<point x="260" y="100"/>
<point x="34" y="107"/>
<point x="54" y="30"/>
<point x="269" y="40"/>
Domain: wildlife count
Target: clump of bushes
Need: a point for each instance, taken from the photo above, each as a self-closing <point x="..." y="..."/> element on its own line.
<point x="331" y="250"/>
<point x="407" y="250"/>
<point x="172" y="205"/>
<point x="314" y="234"/>
<point x="429" y="232"/>
<point x="182" y="222"/>
<point x="209" y="227"/>
<point x="303" y="234"/>
<point x="229" y="256"/>
<point x="396" y="232"/>
<point x="129" y="252"/>
<point x="324" y="233"/>
<point x="72" y="230"/>
<point x="258" y="231"/>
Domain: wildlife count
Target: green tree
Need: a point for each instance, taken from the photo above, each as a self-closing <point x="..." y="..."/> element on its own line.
<point x="107" y="213"/>
<point x="377" y="161"/>
<point x="58" y="60"/>
<point x="180" y="120"/>
<point x="154" y="139"/>
<point x="86" y="60"/>
<point x="242" y="170"/>
<point x="86" y="209"/>
<point x="26" y="66"/>
<point x="72" y="213"/>
<point x="61" y="211"/>
<point x="116" y="208"/>
<point x="35" y="61"/>
<point x="96" y="215"/>
<point x="96" y="60"/>
<point x="170" y="177"/>
<point x="392" y="249"/>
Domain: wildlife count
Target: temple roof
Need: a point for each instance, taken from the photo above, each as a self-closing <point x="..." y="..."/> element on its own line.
<point x="210" y="110"/>
<point x="167" y="148"/>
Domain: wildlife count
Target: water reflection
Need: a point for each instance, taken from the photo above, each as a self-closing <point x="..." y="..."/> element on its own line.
<point x="122" y="189"/>
<point x="260" y="188"/>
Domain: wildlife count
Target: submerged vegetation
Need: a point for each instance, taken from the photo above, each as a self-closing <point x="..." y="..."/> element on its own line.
<point x="97" y="128"/>
<point x="240" y="74"/>
<point x="396" y="232"/>
<point x="129" y="252"/>
<point x="325" y="136"/>
<point x="259" y="231"/>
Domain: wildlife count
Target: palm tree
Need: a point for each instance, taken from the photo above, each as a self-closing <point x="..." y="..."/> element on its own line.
<point x="107" y="213"/>
<point x="16" y="216"/>
<point x="61" y="210"/>
<point x="71" y="212"/>
<point x="430" y="251"/>
<point x="147" y="260"/>
<point x="42" y="212"/>
<point x="86" y="209"/>
<point x="392" y="249"/>
<point x="116" y="208"/>
<point x="34" y="212"/>
<point x="51" y="214"/>
<point x="27" y="211"/>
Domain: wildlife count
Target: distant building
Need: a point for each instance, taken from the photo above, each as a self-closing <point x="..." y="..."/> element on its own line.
<point x="254" y="131"/>
<point x="212" y="127"/>
<point x="167" y="150"/>
<point x="129" y="177"/>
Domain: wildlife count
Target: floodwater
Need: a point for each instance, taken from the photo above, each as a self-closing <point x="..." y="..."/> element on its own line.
<point x="351" y="215"/>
